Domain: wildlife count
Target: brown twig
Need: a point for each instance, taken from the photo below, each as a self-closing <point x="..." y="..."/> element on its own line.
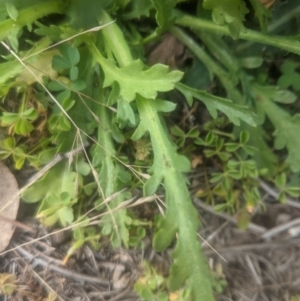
<point x="272" y="191"/>
<point x="35" y="261"/>
<point x="253" y="227"/>
<point x="18" y="224"/>
<point x="257" y="246"/>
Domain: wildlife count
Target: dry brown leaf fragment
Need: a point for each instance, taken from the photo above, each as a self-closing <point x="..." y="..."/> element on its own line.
<point x="168" y="52"/>
<point x="8" y="208"/>
<point x="196" y="160"/>
<point x="267" y="3"/>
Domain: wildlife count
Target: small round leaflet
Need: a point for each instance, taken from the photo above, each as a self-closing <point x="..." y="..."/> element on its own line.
<point x="9" y="204"/>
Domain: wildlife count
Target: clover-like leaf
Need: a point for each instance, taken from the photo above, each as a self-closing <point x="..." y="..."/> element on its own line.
<point x="20" y="122"/>
<point x="83" y="167"/>
<point x="78" y="85"/>
<point x="12" y="11"/>
<point x="66" y="215"/>
<point x="73" y="56"/>
<point x="59" y="63"/>
<point x="280" y="180"/>
<point x="177" y="131"/>
<point x="55" y="86"/>
<point x="290" y="76"/>
<point x="73" y="73"/>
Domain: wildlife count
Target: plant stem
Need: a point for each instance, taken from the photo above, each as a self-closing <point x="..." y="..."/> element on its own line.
<point x="210" y="64"/>
<point x="272" y="27"/>
<point x="289" y="44"/>
<point x="115" y="40"/>
<point x="220" y="133"/>
<point x="256" y="133"/>
<point x="181" y="217"/>
<point x="219" y="49"/>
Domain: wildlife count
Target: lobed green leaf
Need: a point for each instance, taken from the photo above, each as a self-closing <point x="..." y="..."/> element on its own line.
<point x="234" y="112"/>
<point x="135" y="79"/>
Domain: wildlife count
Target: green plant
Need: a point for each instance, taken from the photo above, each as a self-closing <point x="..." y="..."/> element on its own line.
<point x="152" y="287"/>
<point x="290" y="76"/>
<point x="285" y="188"/>
<point x="9" y="148"/>
<point x="219" y="282"/>
<point x="236" y="183"/>
<point x="7" y="283"/>
<point x="82" y="83"/>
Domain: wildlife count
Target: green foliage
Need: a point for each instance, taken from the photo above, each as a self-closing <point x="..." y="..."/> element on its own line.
<point x="83" y="234"/>
<point x="231" y="12"/>
<point x="262" y="14"/>
<point x="164" y="18"/>
<point x="133" y="79"/>
<point x="12" y="11"/>
<point x="68" y="61"/>
<point x="236" y="184"/>
<point x="7" y="283"/>
<point x="28" y="14"/>
<point x="138" y="9"/>
<point x="290" y="77"/>
<point x="8" y="148"/>
<point x="20" y="122"/>
<point x="286" y="126"/>
<point x="177" y="131"/>
<point x="219" y="282"/>
<point x="233" y="111"/>
<point x="85" y="16"/>
<point x="99" y="89"/>
<point x="152" y="287"/>
<point x="57" y="199"/>
<point x="285" y="189"/>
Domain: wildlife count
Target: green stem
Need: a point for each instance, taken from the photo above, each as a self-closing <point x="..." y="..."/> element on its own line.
<point x="219" y="50"/>
<point x="289" y="44"/>
<point x="220" y="133"/>
<point x="210" y="64"/>
<point x="293" y="13"/>
<point x="106" y="165"/>
<point x="264" y="157"/>
<point x="31" y="14"/>
<point x="181" y="216"/>
<point x="115" y="40"/>
<point x="23" y="103"/>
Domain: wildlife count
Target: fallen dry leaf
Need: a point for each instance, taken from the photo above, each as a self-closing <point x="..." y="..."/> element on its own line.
<point x="169" y="52"/>
<point x="267" y="3"/>
<point x="196" y="160"/>
<point x="8" y="210"/>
